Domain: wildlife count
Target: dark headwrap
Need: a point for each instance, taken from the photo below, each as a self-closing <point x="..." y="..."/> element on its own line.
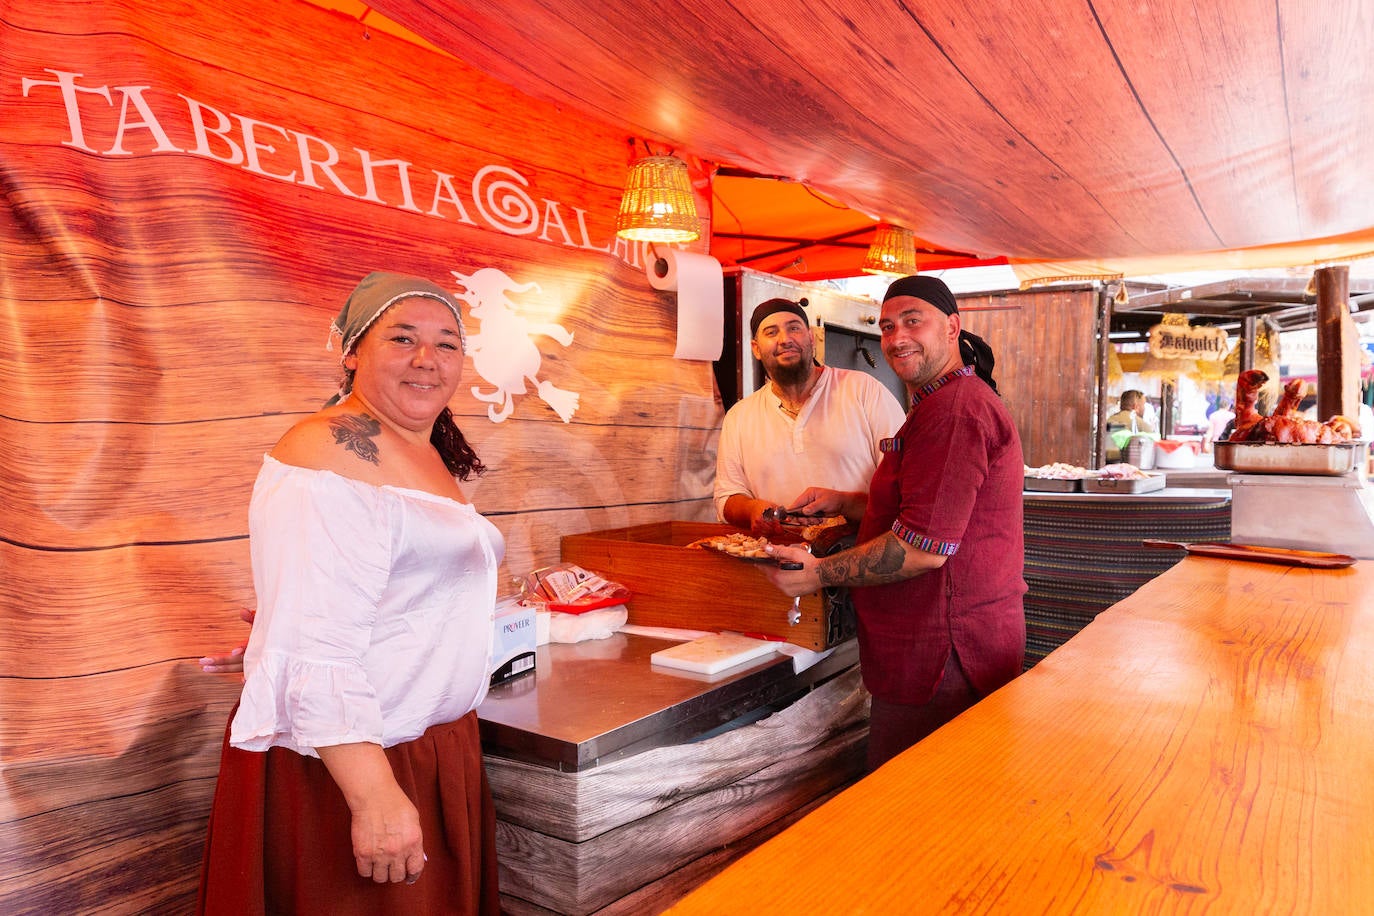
<point x="772" y="307"/>
<point x="378" y="292"/>
<point x="973" y="350"/>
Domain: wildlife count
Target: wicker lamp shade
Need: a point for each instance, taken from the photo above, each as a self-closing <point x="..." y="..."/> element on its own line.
<point x="658" y="205"/>
<point x="893" y="252"/>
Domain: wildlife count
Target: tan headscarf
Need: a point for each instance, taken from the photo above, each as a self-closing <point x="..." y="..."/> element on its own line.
<point x="374" y="295"/>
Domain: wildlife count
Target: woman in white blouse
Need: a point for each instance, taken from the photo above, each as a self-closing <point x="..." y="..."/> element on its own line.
<point x="351" y="779"/>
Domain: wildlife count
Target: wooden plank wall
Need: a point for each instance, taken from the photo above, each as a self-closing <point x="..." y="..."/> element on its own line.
<point x="1045" y="343"/>
<point x="163" y="316"/>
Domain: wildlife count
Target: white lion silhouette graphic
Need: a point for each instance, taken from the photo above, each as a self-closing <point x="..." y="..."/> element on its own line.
<point x="503" y="350"/>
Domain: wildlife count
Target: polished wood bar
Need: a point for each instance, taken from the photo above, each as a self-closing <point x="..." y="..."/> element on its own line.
<point x="1204" y="745"/>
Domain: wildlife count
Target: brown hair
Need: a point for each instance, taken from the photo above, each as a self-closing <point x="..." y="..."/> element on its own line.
<point x="459" y="457"/>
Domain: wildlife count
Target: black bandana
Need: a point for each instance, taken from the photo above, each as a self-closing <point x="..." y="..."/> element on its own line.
<point x="927" y="289"/>
<point x="772" y="307"/>
<point x="973" y="350"/>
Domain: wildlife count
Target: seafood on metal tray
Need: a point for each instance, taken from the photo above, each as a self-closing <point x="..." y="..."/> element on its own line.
<point x="1284" y="425"/>
<point x="1060" y="470"/>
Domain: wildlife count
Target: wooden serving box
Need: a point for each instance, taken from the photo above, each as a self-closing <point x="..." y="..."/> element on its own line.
<point x="677" y="586"/>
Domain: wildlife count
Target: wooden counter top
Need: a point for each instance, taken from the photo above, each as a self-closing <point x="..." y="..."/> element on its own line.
<point x="1205" y="745"/>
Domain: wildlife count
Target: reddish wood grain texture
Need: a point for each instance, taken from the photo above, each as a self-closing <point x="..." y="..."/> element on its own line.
<point x="1202" y="746"/>
<point x="1032" y="130"/>
<point x="163" y="320"/>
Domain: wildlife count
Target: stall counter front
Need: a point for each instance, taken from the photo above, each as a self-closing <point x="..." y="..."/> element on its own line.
<point x="618" y="782"/>
<point x="1084" y="554"/>
<point x="1203" y="746"/>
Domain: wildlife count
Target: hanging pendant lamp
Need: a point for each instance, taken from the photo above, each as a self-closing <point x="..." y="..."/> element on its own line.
<point x="658" y="205"/>
<point x="893" y="252"/>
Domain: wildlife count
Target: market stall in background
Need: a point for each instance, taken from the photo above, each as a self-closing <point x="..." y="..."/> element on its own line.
<point x="1268" y="322"/>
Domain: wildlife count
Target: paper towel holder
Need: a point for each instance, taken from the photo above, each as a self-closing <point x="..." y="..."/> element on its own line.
<point x="660" y="267"/>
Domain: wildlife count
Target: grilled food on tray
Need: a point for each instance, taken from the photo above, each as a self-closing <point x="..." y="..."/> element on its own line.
<point x="810" y="532"/>
<point x="1060" y="470"/>
<point x="1284" y="425"/>
<point x="1121" y="472"/>
<point x="737" y="544"/>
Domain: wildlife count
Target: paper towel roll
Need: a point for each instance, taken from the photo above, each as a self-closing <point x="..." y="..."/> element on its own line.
<point x="700" y="287"/>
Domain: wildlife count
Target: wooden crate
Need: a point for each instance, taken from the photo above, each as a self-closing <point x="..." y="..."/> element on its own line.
<point x="697" y="589"/>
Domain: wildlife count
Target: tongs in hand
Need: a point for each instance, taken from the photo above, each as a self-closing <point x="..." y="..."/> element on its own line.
<point x="783" y="517"/>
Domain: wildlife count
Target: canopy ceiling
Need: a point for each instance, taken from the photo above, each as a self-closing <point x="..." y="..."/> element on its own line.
<point x="1089" y="136"/>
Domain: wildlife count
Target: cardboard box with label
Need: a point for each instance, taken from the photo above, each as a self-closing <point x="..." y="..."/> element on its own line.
<point x="513" y="646"/>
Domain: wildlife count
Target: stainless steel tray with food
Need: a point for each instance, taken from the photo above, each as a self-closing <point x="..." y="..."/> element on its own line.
<point x="1146" y="484"/>
<point x="1289" y="458"/>
<point x="1054" y="484"/>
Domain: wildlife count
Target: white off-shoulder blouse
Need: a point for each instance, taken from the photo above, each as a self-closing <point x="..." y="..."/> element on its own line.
<point x="375" y="611"/>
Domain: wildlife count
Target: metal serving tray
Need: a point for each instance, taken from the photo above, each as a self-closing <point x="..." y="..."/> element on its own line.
<point x="1123" y="485"/>
<point x="1054" y="484"/>
<point x="1289" y="458"/>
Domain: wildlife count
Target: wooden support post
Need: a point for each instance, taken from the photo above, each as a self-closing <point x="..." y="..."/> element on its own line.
<point x="1104" y="343"/>
<point x="1249" y="331"/>
<point x="1338" y="343"/>
<point x="1168" y="406"/>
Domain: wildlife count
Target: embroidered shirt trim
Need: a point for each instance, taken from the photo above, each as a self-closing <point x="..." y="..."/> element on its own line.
<point x="927" y="390"/>
<point x="928" y="544"/>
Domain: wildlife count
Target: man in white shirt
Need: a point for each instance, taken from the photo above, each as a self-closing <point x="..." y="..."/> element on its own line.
<point x="811" y="425"/>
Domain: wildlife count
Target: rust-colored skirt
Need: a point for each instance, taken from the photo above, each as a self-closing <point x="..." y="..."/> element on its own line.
<point x="279" y="838"/>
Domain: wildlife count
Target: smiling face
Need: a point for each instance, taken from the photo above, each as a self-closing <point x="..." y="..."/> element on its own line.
<point x="408" y="364"/>
<point x="921" y="342"/>
<point x="786" y="348"/>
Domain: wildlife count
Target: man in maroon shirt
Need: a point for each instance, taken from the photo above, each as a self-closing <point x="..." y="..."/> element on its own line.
<point x="936" y="576"/>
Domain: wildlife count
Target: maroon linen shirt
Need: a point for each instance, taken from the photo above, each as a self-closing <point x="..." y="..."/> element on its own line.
<point x="949" y="482"/>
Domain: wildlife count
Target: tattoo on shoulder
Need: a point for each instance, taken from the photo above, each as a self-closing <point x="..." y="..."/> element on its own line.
<point x="355" y="433"/>
<point x="875" y="563"/>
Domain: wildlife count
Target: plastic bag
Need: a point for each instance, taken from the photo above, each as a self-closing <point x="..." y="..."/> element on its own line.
<point x="569" y="589"/>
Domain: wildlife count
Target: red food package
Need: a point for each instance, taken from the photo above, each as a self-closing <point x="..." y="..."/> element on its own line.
<point x="569" y="589"/>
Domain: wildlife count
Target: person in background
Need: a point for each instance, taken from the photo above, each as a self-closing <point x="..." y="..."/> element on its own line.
<point x="936" y="575"/>
<point x="351" y="777"/>
<point x="1131" y="414"/>
<point x="1218" y="423"/>
<point x="1307" y="407"/>
<point x="1129" y="421"/>
<point x="811" y="425"/>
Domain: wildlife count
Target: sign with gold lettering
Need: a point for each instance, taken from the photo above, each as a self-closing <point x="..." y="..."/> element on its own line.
<point x="1181" y="341"/>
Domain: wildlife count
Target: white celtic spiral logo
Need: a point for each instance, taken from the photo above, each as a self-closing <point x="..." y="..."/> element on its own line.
<point x="503" y="203"/>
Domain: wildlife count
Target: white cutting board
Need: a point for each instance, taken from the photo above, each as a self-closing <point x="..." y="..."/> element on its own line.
<point x="709" y="654"/>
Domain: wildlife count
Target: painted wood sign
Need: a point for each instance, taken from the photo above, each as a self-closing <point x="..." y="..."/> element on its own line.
<point x="188" y="198"/>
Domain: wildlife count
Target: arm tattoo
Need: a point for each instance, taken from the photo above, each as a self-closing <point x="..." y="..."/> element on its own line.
<point x="355" y="434"/>
<point x="876" y="562"/>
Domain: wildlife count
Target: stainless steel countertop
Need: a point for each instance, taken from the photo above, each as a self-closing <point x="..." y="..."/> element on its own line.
<point x="599" y="700"/>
